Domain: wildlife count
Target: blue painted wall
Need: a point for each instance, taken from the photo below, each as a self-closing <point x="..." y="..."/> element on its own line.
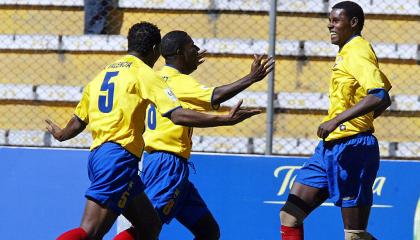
<point x="42" y="195"/>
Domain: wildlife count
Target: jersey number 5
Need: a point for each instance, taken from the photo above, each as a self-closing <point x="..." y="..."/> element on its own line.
<point x="104" y="105"/>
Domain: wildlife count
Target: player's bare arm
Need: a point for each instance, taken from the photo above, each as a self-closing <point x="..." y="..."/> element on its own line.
<point x="260" y="68"/>
<point x="191" y="118"/>
<point x="381" y="109"/>
<point x="72" y="129"/>
<point x="368" y="104"/>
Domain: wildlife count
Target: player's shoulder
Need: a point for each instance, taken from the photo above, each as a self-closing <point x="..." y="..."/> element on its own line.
<point x="361" y="46"/>
<point x="126" y="62"/>
<point x="173" y="75"/>
<point x="143" y="71"/>
<point x="187" y="78"/>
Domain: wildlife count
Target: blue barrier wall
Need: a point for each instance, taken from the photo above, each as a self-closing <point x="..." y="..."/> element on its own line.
<point x="42" y="196"/>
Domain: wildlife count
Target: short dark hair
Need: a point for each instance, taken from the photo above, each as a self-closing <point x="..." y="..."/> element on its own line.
<point x="172" y="41"/>
<point x="142" y="37"/>
<point x="352" y="10"/>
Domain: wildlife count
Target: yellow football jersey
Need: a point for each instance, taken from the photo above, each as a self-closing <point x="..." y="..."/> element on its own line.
<point x="114" y="103"/>
<point x="162" y="134"/>
<point x="354" y="74"/>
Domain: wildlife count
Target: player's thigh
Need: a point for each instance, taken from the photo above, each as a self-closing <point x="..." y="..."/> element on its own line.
<point x="97" y="219"/>
<point x="353" y="170"/>
<point x="311" y="183"/>
<point x="113" y="172"/>
<point x="355" y="218"/>
<point x="165" y="176"/>
<point x="312" y="196"/>
<point x="141" y="213"/>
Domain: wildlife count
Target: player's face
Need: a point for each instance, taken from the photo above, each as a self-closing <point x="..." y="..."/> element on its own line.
<point x="340" y="27"/>
<point x="191" y="56"/>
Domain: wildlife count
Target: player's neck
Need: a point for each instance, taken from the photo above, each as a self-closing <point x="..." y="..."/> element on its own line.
<point x="350" y="38"/>
<point x="146" y="59"/>
<point x="175" y="64"/>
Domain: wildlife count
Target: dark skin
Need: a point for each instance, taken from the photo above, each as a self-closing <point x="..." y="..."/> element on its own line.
<point x="189" y="58"/>
<point x="342" y="29"/>
<point x="368" y="104"/>
<point x="97" y="219"/>
<point x="186" y="60"/>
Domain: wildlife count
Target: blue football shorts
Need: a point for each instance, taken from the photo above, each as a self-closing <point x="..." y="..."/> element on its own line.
<point x="346" y="167"/>
<point x="165" y="176"/>
<point x="114" y="175"/>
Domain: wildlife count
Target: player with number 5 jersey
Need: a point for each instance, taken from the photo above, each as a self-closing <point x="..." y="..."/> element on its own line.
<point x="125" y="86"/>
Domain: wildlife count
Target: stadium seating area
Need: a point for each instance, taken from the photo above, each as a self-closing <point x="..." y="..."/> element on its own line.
<point x="400" y="7"/>
<point x="46" y="85"/>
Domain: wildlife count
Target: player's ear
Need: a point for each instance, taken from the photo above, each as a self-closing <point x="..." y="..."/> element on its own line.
<point x="179" y="52"/>
<point x="353" y="22"/>
<point x="156" y="49"/>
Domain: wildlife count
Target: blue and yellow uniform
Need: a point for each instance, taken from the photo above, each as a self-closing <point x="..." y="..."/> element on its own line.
<point x="114" y="105"/>
<point x="165" y="169"/>
<point x="346" y="162"/>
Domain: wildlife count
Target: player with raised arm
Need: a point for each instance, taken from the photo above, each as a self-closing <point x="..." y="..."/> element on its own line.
<point x="345" y="163"/>
<point x="114" y="105"/>
<point x="165" y="170"/>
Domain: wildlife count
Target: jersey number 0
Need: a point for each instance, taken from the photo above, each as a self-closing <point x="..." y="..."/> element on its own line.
<point x="151" y="117"/>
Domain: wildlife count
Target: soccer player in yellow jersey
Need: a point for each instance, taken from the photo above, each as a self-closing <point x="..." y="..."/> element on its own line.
<point x="165" y="170"/>
<point x="114" y="105"/>
<point x="345" y="163"/>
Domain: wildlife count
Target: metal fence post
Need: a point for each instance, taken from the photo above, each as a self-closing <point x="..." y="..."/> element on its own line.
<point x="270" y="89"/>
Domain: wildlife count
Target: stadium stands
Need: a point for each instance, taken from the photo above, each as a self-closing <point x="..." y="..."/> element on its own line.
<point x="118" y="43"/>
<point x="250" y="99"/>
<point x="296" y="100"/>
<point x="406" y="102"/>
<point x="400" y="7"/>
<point x="108" y="43"/>
<point x="408" y="149"/>
<point x="16" y="92"/>
<point x="29" y="42"/>
<point x="282" y="100"/>
<point x="222" y="26"/>
<point x="27" y="138"/>
<point x="304" y="57"/>
<point x="283" y="146"/>
<point x="2" y="136"/>
<point x="221" y="144"/>
<point x="306" y="146"/>
<point x="83" y="140"/>
<point x="280" y="145"/>
<point x="58" y="93"/>
<point x="387" y="149"/>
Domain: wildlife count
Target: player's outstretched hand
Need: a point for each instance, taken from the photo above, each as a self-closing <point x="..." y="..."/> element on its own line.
<point x="201" y="56"/>
<point x="261" y="66"/>
<point x="53" y="129"/>
<point x="237" y="114"/>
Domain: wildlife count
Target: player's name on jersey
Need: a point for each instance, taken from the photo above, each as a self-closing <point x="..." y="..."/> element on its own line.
<point x="120" y="65"/>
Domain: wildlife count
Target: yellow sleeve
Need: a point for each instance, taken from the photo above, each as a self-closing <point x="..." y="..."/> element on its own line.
<point x="159" y="93"/>
<point x="363" y="66"/>
<point x="82" y="109"/>
<point x="197" y="96"/>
